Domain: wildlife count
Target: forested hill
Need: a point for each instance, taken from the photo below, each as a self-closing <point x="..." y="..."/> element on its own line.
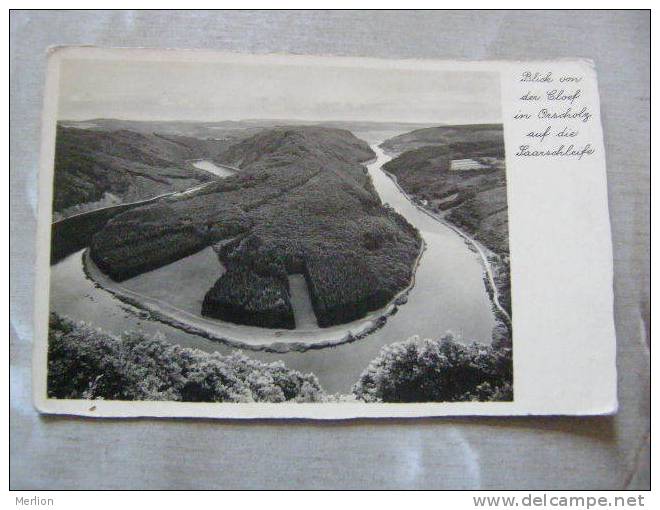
<point x="302" y="203"/>
<point x="91" y="165"/>
<point x="289" y="144"/>
<point x="460" y="169"/>
<point x="480" y="134"/>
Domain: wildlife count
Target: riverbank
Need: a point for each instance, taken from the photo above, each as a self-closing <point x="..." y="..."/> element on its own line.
<point x="484" y="253"/>
<point x="75" y="233"/>
<point x="249" y="337"/>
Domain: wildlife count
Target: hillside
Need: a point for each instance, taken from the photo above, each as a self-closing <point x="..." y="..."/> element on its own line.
<point x="86" y="363"/>
<point x="462" y="179"/>
<point x="302" y="203"/>
<point x="221" y="130"/>
<point x="443" y="135"/>
<point x="99" y="168"/>
<point x="228" y="130"/>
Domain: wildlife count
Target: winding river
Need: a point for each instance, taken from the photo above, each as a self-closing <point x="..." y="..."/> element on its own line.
<point x="449" y="295"/>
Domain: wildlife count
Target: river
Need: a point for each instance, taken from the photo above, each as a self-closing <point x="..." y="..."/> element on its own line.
<point x="210" y="166"/>
<point x="449" y="295"/>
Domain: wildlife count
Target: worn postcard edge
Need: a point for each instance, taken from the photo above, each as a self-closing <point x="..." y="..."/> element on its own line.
<point x="322" y="411"/>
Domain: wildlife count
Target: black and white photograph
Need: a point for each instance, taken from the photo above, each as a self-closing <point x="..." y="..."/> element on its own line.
<point x="282" y="232"/>
<point x="248" y="236"/>
<point x="329" y="249"/>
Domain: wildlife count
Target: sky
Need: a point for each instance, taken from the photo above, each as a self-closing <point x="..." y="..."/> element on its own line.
<point x="212" y="91"/>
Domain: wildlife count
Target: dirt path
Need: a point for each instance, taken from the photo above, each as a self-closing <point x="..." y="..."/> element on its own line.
<point x="301" y="302"/>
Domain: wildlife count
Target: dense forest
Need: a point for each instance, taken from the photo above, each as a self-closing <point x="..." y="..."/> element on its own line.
<point x="439" y="370"/>
<point x="473" y="197"/>
<point x="92" y="165"/>
<point x="445" y="135"/>
<point x="302" y="203"/>
<point x="86" y="363"/>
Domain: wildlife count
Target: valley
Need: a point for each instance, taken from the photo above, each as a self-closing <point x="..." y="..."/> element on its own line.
<point x="441" y="290"/>
<point x="458" y="174"/>
<point x="302" y="203"/>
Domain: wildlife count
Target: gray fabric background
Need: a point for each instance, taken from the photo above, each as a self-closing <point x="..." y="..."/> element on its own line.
<point x="496" y="453"/>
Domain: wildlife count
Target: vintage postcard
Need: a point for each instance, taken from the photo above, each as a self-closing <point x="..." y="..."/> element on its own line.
<point x="263" y="236"/>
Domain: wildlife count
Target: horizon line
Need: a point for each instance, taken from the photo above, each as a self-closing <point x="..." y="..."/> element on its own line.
<point x="275" y="119"/>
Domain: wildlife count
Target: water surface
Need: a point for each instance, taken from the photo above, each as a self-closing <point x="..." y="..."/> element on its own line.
<point x="210" y="166"/>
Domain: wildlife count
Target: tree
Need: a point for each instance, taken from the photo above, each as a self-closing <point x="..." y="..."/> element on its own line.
<point x="90" y="364"/>
<point x="437" y="371"/>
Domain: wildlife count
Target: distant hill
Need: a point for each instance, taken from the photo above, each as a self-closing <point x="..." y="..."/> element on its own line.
<point x="222" y="130"/>
<point x="302" y="203"/>
<point x="231" y="129"/>
<point x="91" y="165"/>
<point x="293" y="144"/>
<point x="106" y="162"/>
<point x="443" y="135"/>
